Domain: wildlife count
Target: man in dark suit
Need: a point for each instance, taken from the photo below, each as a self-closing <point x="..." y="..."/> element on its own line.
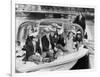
<point x="45" y="43"/>
<point x="38" y="48"/>
<point x="80" y="20"/>
<point x="61" y="40"/>
<point x="47" y="51"/>
<point x="53" y="39"/>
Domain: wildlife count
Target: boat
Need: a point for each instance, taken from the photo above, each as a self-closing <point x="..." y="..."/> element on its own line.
<point x="68" y="60"/>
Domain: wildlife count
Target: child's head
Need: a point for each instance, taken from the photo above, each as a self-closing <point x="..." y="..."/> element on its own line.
<point x="70" y="34"/>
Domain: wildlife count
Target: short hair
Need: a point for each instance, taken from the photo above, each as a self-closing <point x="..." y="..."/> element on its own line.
<point x="69" y="33"/>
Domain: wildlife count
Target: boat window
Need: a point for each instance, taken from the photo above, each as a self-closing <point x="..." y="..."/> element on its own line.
<point x="46" y="23"/>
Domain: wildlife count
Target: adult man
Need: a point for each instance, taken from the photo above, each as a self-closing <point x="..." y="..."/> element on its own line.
<point x="60" y="31"/>
<point x="80" y="20"/>
<point x="46" y="46"/>
<point x="53" y="39"/>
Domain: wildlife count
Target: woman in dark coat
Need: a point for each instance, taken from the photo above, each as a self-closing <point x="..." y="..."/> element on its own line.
<point x="29" y="48"/>
<point x="53" y="39"/>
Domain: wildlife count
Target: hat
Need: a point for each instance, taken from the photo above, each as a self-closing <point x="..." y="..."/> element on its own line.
<point x="78" y="32"/>
<point x="34" y="34"/>
<point x="73" y="31"/>
<point x="54" y="24"/>
<point x="61" y="31"/>
<point x="46" y="29"/>
<point x="51" y="29"/>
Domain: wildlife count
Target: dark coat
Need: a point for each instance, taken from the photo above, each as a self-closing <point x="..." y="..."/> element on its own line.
<point x="61" y="40"/>
<point x="29" y="48"/>
<point x="38" y="48"/>
<point x="45" y="43"/>
<point x="53" y="40"/>
<point x="80" y="22"/>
